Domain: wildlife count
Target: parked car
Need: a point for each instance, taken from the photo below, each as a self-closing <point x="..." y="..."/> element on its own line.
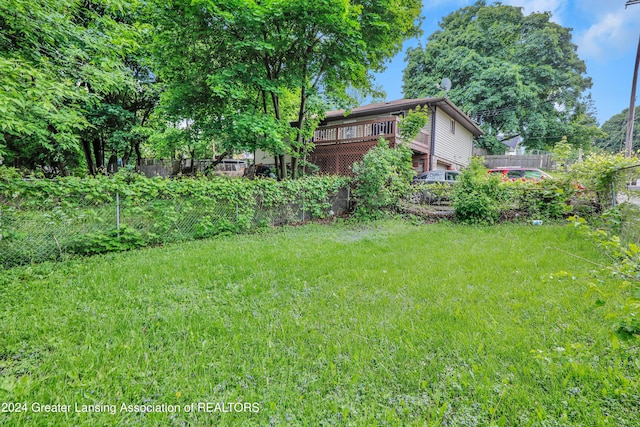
<point x="437" y="193"/>
<point x="431" y="177"/>
<point x="520" y="174"/>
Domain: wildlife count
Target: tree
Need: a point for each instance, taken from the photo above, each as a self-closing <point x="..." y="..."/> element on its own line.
<point x="54" y="57"/>
<point x="514" y="74"/>
<point x="119" y="120"/>
<point x="615" y="132"/>
<point x="243" y="70"/>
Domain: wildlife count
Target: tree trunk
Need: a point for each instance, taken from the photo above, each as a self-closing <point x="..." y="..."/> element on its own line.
<point x="294" y="167"/>
<point x="86" y="147"/>
<point x="277" y="165"/>
<point x="283" y="167"/>
<point x="62" y="168"/>
<point x="299" y="137"/>
<point x="136" y="147"/>
<point x="127" y="154"/>
<point x="98" y="154"/>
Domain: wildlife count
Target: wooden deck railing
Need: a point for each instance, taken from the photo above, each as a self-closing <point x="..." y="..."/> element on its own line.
<point x="370" y="130"/>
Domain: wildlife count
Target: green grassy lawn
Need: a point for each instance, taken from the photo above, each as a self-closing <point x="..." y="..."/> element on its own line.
<point x="385" y="324"/>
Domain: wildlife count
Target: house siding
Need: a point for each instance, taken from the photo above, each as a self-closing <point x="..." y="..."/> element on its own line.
<point x="454" y="149"/>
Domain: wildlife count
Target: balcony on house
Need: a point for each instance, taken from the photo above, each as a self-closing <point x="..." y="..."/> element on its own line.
<point x="368" y="131"/>
<point x="363" y="131"/>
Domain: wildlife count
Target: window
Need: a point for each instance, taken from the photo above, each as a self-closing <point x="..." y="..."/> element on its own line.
<point x="515" y="174"/>
<point x="453" y="126"/>
<point x="533" y="174"/>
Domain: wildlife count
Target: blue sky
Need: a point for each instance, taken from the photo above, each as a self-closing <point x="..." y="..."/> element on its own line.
<point x="605" y="32"/>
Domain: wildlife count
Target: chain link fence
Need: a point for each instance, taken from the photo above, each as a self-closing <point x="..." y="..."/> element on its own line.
<point x="628" y="200"/>
<point x="31" y="234"/>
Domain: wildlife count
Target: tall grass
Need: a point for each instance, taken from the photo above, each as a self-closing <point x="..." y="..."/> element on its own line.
<point x="386" y="324"/>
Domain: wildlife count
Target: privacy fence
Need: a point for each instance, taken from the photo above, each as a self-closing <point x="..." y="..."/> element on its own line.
<point x="44" y="220"/>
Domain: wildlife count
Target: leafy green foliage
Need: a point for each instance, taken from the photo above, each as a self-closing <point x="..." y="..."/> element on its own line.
<point x="625" y="268"/>
<point x="411" y="124"/>
<point x="114" y="240"/>
<point x="47" y="219"/>
<point x="381" y="179"/>
<point x="54" y="57"/>
<point x="563" y="152"/>
<point x="477" y="195"/>
<point x="602" y="173"/>
<point x="515" y="74"/>
<point x="243" y="70"/>
<point x="546" y="199"/>
<point x="615" y="130"/>
<point x="482" y="198"/>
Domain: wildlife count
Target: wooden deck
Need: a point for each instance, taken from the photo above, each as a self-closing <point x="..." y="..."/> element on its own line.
<point x="337" y="147"/>
<point x="366" y="131"/>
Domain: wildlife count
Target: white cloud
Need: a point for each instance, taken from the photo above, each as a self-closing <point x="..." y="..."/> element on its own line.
<point x="614" y="34"/>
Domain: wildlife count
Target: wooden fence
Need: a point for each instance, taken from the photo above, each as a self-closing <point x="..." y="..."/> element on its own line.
<point x="540" y="161"/>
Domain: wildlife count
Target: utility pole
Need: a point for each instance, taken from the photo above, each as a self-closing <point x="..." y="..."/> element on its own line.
<point x="632" y="104"/>
<point x="632" y="107"/>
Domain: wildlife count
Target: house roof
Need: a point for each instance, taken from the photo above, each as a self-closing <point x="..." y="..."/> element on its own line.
<point x="404" y="105"/>
<point x="512" y="142"/>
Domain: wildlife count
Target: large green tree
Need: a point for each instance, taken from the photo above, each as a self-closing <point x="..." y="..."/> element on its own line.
<point x="243" y="70"/>
<point x="615" y="130"/>
<point x="55" y="56"/>
<point x="120" y="120"/>
<point x="514" y="74"/>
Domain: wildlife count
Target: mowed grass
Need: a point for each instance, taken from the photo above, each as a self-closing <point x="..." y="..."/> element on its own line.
<point x="385" y="324"/>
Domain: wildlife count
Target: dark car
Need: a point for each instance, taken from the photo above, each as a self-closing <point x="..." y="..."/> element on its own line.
<point x="520" y="174"/>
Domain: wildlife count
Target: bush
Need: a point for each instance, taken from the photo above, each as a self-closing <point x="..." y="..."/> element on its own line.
<point x="114" y="240"/>
<point x="603" y="173"/>
<point x="546" y="199"/>
<point x="381" y="179"/>
<point x="477" y="197"/>
<point x="481" y="198"/>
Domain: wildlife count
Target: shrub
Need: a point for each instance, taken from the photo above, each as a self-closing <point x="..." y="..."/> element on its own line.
<point x="603" y="173"/>
<point x="114" y="240"/>
<point x="546" y="199"/>
<point x="477" y="196"/>
<point x="381" y="179"/>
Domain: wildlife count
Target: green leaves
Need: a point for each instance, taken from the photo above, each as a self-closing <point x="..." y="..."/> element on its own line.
<point x="54" y="57"/>
<point x="514" y="74"/>
<point x="243" y="70"/>
<point x="602" y="173"/>
<point x="381" y="179"/>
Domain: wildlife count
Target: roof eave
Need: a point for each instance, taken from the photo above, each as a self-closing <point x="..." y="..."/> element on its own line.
<point x="406" y="105"/>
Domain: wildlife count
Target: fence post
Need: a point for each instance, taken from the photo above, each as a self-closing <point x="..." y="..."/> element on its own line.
<point x="118" y="213"/>
<point x="303" y="206"/>
<point x="236" y="207"/>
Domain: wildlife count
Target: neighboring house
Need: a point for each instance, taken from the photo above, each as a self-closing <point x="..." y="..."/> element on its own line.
<point x="513" y="146"/>
<point x="342" y="139"/>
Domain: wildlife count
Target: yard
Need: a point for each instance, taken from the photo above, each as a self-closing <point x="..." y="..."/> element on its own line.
<point x="383" y="324"/>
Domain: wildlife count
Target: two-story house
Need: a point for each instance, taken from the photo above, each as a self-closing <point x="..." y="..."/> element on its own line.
<point x="341" y="139"/>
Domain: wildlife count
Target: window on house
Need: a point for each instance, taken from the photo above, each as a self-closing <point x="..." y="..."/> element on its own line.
<point x="453" y="126"/>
